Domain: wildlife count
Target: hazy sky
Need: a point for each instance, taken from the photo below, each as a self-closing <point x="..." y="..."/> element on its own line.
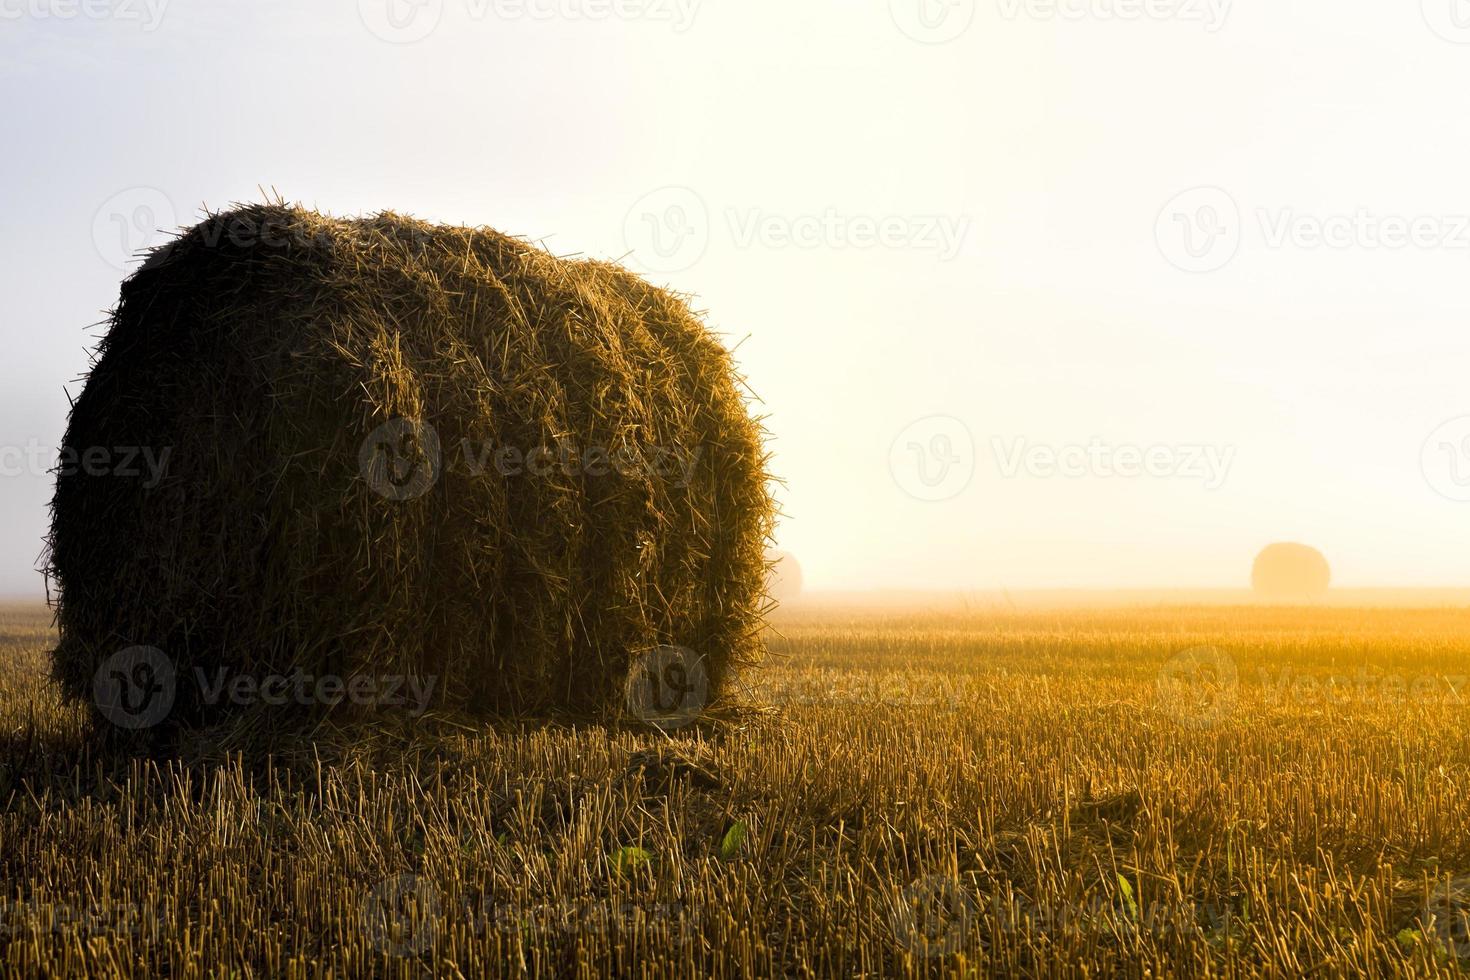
<point x="1091" y="293"/>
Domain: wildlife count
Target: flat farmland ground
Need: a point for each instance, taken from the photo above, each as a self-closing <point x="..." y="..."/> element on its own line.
<point x="1158" y="790"/>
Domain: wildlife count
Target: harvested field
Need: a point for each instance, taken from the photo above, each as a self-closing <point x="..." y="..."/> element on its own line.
<point x="1189" y="790"/>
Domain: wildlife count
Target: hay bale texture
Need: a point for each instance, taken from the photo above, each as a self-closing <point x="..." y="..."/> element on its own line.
<point x="332" y="395"/>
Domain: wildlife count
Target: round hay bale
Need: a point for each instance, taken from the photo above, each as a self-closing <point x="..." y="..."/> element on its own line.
<point x="785" y="576"/>
<point x="395" y="449"/>
<point x="1289" y="571"/>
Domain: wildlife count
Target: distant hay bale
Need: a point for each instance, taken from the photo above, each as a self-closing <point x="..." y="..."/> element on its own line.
<point x="785" y="576"/>
<point x="1289" y="571"/>
<point x="401" y="449"/>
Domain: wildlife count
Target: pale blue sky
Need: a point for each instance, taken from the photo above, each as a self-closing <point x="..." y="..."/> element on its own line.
<point x="1027" y="171"/>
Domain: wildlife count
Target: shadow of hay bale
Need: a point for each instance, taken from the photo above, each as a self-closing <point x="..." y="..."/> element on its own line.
<point x="376" y="448"/>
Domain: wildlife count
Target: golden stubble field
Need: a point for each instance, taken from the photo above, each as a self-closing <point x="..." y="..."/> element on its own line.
<point x="1149" y="791"/>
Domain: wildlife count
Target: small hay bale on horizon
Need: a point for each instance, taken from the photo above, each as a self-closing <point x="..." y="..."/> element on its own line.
<point x="785" y="582"/>
<point x="1288" y="571"/>
<point x="397" y="448"/>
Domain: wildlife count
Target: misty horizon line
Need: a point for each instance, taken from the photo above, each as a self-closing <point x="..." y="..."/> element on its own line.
<point x="39" y="595"/>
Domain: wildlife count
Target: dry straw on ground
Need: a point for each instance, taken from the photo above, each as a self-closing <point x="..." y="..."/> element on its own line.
<point x="334" y="396"/>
